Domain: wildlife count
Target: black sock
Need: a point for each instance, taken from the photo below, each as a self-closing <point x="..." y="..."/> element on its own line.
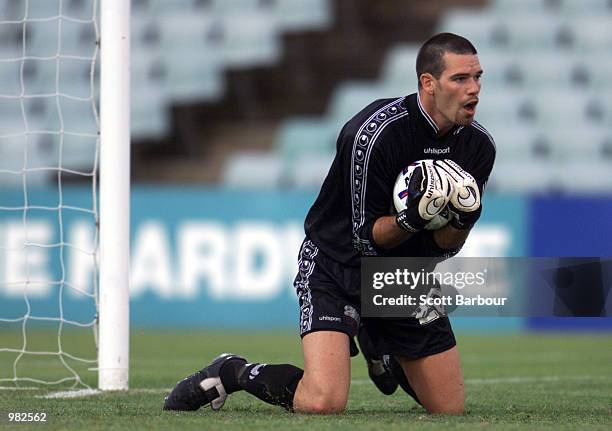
<point x="274" y="384"/>
<point x="398" y="372"/>
<point x="229" y="374"/>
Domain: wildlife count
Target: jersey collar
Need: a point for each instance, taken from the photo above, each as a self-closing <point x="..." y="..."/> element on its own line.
<point x="429" y="122"/>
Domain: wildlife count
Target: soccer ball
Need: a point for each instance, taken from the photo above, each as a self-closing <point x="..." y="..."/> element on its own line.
<point x="400" y="198"/>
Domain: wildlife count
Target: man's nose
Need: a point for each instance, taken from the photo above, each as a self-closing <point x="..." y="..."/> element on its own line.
<point x="475" y="87"/>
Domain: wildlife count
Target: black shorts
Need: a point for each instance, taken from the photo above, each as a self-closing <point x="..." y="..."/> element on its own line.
<point x="329" y="299"/>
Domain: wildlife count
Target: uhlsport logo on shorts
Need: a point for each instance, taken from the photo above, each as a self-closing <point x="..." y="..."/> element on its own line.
<point x="330" y="318"/>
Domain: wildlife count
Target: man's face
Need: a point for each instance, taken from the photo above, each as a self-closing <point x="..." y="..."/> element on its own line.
<point x="456" y="92"/>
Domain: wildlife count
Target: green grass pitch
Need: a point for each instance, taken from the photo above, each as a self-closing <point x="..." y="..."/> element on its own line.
<point x="513" y="382"/>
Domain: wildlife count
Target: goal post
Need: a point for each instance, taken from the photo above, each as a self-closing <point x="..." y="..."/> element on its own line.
<point x="113" y="348"/>
<point x="64" y="249"/>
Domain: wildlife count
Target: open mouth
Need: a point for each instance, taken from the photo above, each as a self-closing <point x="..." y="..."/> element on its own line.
<point x="470" y="107"/>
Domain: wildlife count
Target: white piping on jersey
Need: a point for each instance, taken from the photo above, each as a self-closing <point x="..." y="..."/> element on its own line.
<point x="430" y="120"/>
<point x="475" y="124"/>
<point x="367" y="157"/>
<point x="302" y="283"/>
<point x="459" y="129"/>
<point x="358" y="209"/>
<point x="357" y="136"/>
<point x="374" y="137"/>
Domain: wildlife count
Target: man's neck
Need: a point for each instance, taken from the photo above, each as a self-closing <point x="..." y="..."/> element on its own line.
<point x="442" y="124"/>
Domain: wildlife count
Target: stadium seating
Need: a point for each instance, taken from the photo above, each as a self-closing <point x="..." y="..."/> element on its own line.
<point x="180" y="50"/>
<point x="585" y="145"/>
<point x="399" y="67"/>
<point x="11" y="117"/>
<point x="302" y="136"/>
<point x="15" y="161"/>
<point x="554" y="108"/>
<point x="517" y="143"/>
<point x="149" y="112"/>
<point x="592" y="34"/>
<point x="546" y="70"/>
<point x="546" y="67"/>
<point x="585" y="8"/>
<point x="500" y="70"/>
<point x="223" y="34"/>
<point x="307" y="172"/>
<point x="10" y="83"/>
<point x="547" y="96"/>
<point x="521" y="7"/>
<point x="74" y="77"/>
<point x="505" y="106"/>
<point x="526" y="176"/>
<point x="300" y="15"/>
<point x="253" y="170"/>
<point x="595" y="71"/>
<point x="249" y="39"/>
<point x="575" y="176"/>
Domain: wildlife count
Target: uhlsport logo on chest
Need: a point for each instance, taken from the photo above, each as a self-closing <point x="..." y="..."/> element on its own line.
<point x="437" y="151"/>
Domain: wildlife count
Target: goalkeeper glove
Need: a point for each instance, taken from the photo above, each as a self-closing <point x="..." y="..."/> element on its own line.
<point x="430" y="190"/>
<point x="465" y="196"/>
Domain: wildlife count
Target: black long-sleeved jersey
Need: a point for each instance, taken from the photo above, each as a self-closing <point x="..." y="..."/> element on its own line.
<point x="372" y="148"/>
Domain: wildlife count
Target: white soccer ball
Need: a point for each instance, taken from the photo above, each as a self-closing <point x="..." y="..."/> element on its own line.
<point x="400" y="197"/>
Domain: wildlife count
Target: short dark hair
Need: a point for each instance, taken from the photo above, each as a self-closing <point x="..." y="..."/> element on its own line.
<point x="429" y="59"/>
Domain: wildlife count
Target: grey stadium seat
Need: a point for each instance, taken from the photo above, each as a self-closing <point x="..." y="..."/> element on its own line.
<point x="309" y="171"/>
<point x="300" y="15"/>
<point x="553" y="108"/>
<point x="503" y="107"/>
<point x="579" y="177"/>
<point x="485" y="29"/>
<point x="253" y="170"/>
<point x="399" y="66"/>
<point x="250" y="39"/>
<point x="523" y="176"/>
<point x="300" y="136"/>
<point x="578" y="144"/>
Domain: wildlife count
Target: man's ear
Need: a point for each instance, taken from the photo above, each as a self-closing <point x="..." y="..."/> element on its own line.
<point x="428" y="83"/>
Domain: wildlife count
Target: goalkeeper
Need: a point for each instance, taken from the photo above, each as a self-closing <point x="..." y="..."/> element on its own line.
<point x="351" y="218"/>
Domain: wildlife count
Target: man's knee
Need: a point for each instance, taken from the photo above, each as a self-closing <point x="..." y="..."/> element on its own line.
<point x="448" y="402"/>
<point x="324" y="405"/>
<point x="450" y="407"/>
<point x="319" y="399"/>
<point x="325" y="385"/>
<point x="437" y="381"/>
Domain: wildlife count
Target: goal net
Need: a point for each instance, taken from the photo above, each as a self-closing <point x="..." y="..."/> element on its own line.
<point x="49" y="193"/>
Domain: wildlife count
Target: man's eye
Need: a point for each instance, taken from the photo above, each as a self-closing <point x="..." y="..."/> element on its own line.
<point x="460" y="78"/>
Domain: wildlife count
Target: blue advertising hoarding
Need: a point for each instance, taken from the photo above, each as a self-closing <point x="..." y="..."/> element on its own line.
<point x="213" y="258"/>
<point x="566" y="227"/>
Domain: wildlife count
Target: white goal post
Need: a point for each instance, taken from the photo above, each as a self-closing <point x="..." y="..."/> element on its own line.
<point x="113" y="348"/>
<point x="64" y="248"/>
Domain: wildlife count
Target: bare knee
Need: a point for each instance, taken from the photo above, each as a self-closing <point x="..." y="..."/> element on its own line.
<point x="437" y="381"/>
<point x="327" y="373"/>
<point x="324" y="406"/>
<point x="316" y="399"/>
<point x="454" y="406"/>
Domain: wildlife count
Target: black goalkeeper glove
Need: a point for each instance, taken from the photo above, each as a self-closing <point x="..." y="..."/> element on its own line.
<point x="463" y="220"/>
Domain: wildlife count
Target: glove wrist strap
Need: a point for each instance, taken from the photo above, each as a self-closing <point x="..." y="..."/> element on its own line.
<point x="409" y="224"/>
